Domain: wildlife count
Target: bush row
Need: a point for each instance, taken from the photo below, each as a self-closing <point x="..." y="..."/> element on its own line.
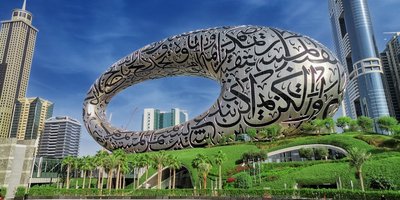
<point x="303" y="193"/>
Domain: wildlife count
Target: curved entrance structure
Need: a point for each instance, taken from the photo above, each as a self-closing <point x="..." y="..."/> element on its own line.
<point x="267" y="75"/>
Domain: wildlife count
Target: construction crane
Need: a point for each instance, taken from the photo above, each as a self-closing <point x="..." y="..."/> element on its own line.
<point x="131" y="118"/>
<point x="391" y="33"/>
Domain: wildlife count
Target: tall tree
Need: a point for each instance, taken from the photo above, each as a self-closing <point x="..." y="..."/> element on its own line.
<point x="168" y="163"/>
<point x="111" y="163"/>
<point x="203" y="165"/>
<point x="68" y="161"/>
<point x="160" y="159"/>
<point x="357" y="158"/>
<point x="85" y="166"/>
<point x="175" y="165"/>
<point x="76" y="167"/>
<point x="125" y="169"/>
<point x="99" y="160"/>
<point x="204" y="168"/>
<point x="120" y="157"/>
<point x="219" y="159"/>
<point x="91" y="166"/>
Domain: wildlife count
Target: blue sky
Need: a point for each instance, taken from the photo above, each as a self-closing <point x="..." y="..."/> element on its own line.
<point x="79" y="39"/>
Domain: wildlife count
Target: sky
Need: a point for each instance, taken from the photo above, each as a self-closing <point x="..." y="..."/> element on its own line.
<point x="79" y="39"/>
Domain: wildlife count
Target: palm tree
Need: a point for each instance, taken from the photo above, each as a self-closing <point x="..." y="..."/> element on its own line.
<point x="91" y="166"/>
<point x="76" y="166"/>
<point x="85" y="166"/>
<point x="219" y="159"/>
<point x="68" y="161"/>
<point x="204" y="168"/>
<point x="147" y="161"/>
<point x="159" y="161"/>
<point x="124" y="169"/>
<point x="174" y="165"/>
<point x="99" y="160"/>
<point x="120" y="157"/>
<point x="168" y="163"/>
<point x="203" y="165"/>
<point x="133" y="163"/>
<point x="357" y="157"/>
<point x="111" y="163"/>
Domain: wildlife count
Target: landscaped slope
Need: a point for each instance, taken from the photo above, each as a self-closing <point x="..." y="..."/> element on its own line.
<point x="383" y="163"/>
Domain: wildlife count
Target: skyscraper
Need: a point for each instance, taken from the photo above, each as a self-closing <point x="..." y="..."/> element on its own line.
<point x="154" y="119"/>
<point x="60" y="138"/>
<point x="29" y="117"/>
<point x="17" y="43"/>
<point x="356" y="48"/>
<point x="391" y="66"/>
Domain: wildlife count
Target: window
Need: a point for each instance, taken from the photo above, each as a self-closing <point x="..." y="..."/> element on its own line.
<point x="342" y="25"/>
<point x="15" y="14"/>
<point x="357" y="106"/>
<point x="349" y="63"/>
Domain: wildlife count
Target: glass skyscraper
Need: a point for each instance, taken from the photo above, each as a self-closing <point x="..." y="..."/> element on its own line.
<point x="356" y="48"/>
<point x="391" y="65"/>
<point x="154" y="119"/>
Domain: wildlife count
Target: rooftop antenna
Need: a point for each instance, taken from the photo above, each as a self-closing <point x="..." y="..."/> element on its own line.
<point x="24" y="5"/>
<point x="131" y="118"/>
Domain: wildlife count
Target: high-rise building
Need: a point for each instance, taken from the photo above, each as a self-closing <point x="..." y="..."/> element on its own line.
<point x="356" y="48"/>
<point x="391" y="67"/>
<point x="60" y="138"/>
<point x="17" y="43"/>
<point x="154" y="119"/>
<point x="29" y="117"/>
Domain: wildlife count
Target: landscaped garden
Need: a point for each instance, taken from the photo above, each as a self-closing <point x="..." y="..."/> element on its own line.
<point x="241" y="168"/>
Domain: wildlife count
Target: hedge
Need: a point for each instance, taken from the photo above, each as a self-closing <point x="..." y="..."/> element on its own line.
<point x="249" y="193"/>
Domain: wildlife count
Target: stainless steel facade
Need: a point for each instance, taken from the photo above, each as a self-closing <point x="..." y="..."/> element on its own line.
<point x="267" y="76"/>
<point x="356" y="48"/>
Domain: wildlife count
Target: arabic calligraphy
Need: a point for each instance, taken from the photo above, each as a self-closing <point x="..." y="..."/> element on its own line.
<point x="267" y="76"/>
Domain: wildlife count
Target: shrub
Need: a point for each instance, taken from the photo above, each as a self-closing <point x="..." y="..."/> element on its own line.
<point x="353" y="126"/>
<point x="386" y="123"/>
<point x="243" y="180"/>
<point x="307" y="153"/>
<point x="308" y="128"/>
<point x="321" y="153"/>
<point x="3" y="191"/>
<point x="365" y="123"/>
<point x="343" y="123"/>
<point x="21" y="191"/>
<point x="382" y="183"/>
<point x="330" y="124"/>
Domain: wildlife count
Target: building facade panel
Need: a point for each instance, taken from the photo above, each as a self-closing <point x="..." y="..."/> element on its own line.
<point x="356" y="48"/>
<point x="17" y="43"/>
<point x="60" y="138"/>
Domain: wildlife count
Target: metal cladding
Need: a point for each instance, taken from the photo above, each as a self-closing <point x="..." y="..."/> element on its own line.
<point x="267" y="76"/>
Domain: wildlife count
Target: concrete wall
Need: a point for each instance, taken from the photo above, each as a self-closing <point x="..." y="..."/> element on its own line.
<point x="16" y="158"/>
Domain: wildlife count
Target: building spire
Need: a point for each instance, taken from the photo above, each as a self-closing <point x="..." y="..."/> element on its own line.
<point x="24" y="5"/>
